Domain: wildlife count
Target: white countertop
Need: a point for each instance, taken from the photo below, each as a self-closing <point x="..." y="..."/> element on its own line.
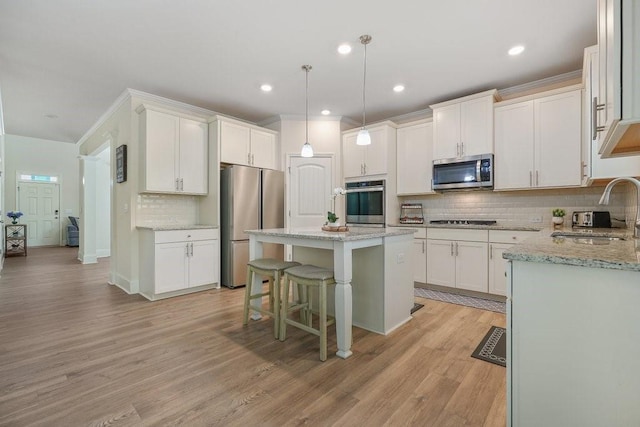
<point x="176" y="227"/>
<point x="499" y="226"/>
<point x="580" y="249"/>
<point x="316" y="233"/>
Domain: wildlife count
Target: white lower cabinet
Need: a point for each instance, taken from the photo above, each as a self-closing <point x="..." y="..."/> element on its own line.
<point x="173" y="262"/>
<point x="497" y="269"/>
<point x="458" y="263"/>
<point x="420" y="256"/>
<point x="499" y="242"/>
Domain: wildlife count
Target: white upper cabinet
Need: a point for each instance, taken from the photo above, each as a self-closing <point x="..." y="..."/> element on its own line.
<point x="368" y="159"/>
<point x="514" y="146"/>
<point x="463" y="127"/>
<point x="414" y="159"/>
<point x="619" y="78"/>
<point x="242" y="144"/>
<point x="558" y="122"/>
<point x="174" y="153"/>
<point x="594" y="167"/>
<point x="538" y="142"/>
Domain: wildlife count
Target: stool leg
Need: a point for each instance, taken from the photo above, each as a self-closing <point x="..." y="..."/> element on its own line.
<point x="323" y="321"/>
<point x="282" y="333"/>
<point x="309" y="306"/>
<point x="275" y="298"/>
<point x="303" y="299"/>
<point x="247" y="296"/>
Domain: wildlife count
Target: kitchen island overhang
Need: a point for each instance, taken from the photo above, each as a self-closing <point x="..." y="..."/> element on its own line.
<point x="372" y="268"/>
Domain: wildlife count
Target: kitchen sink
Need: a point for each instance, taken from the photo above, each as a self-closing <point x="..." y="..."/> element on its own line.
<point x="586" y="239"/>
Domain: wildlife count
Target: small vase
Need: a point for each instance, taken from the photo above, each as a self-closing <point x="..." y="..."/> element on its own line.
<point x="334" y="224"/>
<point x="557" y="221"/>
<point x="14" y="221"/>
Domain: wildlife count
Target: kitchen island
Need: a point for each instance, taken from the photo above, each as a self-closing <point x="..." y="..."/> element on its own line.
<point x="372" y="269"/>
<point x="573" y="342"/>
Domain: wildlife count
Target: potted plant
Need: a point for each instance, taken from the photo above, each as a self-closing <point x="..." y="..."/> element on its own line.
<point x="14" y="216"/>
<point x="332" y="218"/>
<point x="558" y="216"/>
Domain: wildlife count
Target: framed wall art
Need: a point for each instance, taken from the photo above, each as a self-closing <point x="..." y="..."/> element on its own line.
<point x="121" y="163"/>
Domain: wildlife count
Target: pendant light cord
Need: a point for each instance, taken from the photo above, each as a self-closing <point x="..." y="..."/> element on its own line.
<point x="364" y="86"/>
<point x="306" y="120"/>
<point x="365" y="40"/>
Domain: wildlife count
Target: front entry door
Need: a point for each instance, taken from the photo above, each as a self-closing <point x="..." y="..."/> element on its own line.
<point x="40" y="204"/>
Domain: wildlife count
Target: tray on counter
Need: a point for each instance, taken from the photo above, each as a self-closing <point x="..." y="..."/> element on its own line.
<point x="339" y="228"/>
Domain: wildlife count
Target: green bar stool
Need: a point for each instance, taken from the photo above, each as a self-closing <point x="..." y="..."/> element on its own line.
<point x="307" y="277"/>
<point x="273" y="270"/>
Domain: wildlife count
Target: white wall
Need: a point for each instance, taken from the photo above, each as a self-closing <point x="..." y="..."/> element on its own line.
<point x="516" y="207"/>
<point x="324" y="136"/>
<point x="103" y="203"/>
<point x="40" y="156"/>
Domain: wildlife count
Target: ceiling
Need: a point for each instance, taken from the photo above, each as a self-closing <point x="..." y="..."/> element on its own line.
<point x="71" y="59"/>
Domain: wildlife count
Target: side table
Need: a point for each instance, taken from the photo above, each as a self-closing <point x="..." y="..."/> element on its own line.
<point x="15" y="238"/>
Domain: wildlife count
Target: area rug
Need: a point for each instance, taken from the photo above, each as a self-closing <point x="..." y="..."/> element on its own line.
<point x="485" y="304"/>
<point x="493" y="347"/>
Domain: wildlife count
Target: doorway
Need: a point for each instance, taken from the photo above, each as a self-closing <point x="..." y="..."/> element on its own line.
<point x="40" y="204"/>
<point x="310" y="189"/>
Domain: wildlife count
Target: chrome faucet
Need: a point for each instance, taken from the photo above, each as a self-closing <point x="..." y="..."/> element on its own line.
<point x="604" y="200"/>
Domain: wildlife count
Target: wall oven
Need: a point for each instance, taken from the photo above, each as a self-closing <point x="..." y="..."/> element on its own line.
<point x="365" y="203"/>
<point x="466" y="173"/>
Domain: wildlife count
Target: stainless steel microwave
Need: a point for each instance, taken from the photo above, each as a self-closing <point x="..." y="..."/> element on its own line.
<point x="465" y="173"/>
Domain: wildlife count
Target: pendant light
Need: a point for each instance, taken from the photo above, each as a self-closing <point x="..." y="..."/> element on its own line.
<point x="307" y="150"/>
<point x="363" y="137"/>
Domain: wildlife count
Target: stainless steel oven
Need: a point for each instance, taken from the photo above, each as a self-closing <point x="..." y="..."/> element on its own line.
<point x="365" y="202"/>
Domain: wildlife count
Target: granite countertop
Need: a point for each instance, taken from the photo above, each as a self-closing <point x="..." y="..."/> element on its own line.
<point x="510" y="227"/>
<point x="581" y="247"/>
<point x="175" y="227"/>
<point x="316" y="233"/>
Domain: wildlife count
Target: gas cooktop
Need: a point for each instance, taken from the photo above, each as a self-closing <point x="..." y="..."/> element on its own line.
<point x="463" y="221"/>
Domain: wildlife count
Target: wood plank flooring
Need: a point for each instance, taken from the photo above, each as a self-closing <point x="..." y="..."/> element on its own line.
<point x="75" y="351"/>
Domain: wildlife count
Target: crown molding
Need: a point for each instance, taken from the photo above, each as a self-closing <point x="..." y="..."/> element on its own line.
<point x="540" y="84"/>
<point x="119" y="102"/>
<point x="425" y="113"/>
<point x="128" y="94"/>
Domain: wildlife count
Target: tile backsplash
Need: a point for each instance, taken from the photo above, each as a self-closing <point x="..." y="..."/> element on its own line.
<point x="166" y="209"/>
<point x="522" y="207"/>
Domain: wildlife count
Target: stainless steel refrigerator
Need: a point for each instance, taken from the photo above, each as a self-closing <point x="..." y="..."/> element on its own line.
<point x="250" y="199"/>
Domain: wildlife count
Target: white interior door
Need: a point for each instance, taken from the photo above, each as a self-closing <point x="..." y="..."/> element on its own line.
<point x="309" y="191"/>
<point x="40" y="204"/>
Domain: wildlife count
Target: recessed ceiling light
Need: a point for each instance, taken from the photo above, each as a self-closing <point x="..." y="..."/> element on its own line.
<point x="398" y="88"/>
<point x="344" y="49"/>
<point x="325" y="112"/>
<point x="516" y="50"/>
<point x="266" y="88"/>
<point x="51" y="116"/>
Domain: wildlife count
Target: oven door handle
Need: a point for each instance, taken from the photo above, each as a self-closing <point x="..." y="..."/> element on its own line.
<point x="365" y="190"/>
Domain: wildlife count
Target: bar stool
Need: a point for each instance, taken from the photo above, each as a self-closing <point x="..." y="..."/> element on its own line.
<point x="307" y="276"/>
<point x="272" y="269"/>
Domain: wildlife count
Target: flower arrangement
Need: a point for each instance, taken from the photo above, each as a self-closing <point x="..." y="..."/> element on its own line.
<point x="559" y="212"/>
<point x="331" y="216"/>
<point x="14" y="216"/>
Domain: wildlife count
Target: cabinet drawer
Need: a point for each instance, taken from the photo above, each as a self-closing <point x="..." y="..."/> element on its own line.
<point x="458" y="234"/>
<point x="188" y="235"/>
<point x="510" y="236"/>
<point x="420" y="234"/>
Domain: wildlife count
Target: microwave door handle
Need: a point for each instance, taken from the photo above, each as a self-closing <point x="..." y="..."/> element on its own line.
<point x="478" y="176"/>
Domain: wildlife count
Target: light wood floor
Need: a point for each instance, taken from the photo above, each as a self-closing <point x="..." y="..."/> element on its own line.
<point x="75" y="351"/>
